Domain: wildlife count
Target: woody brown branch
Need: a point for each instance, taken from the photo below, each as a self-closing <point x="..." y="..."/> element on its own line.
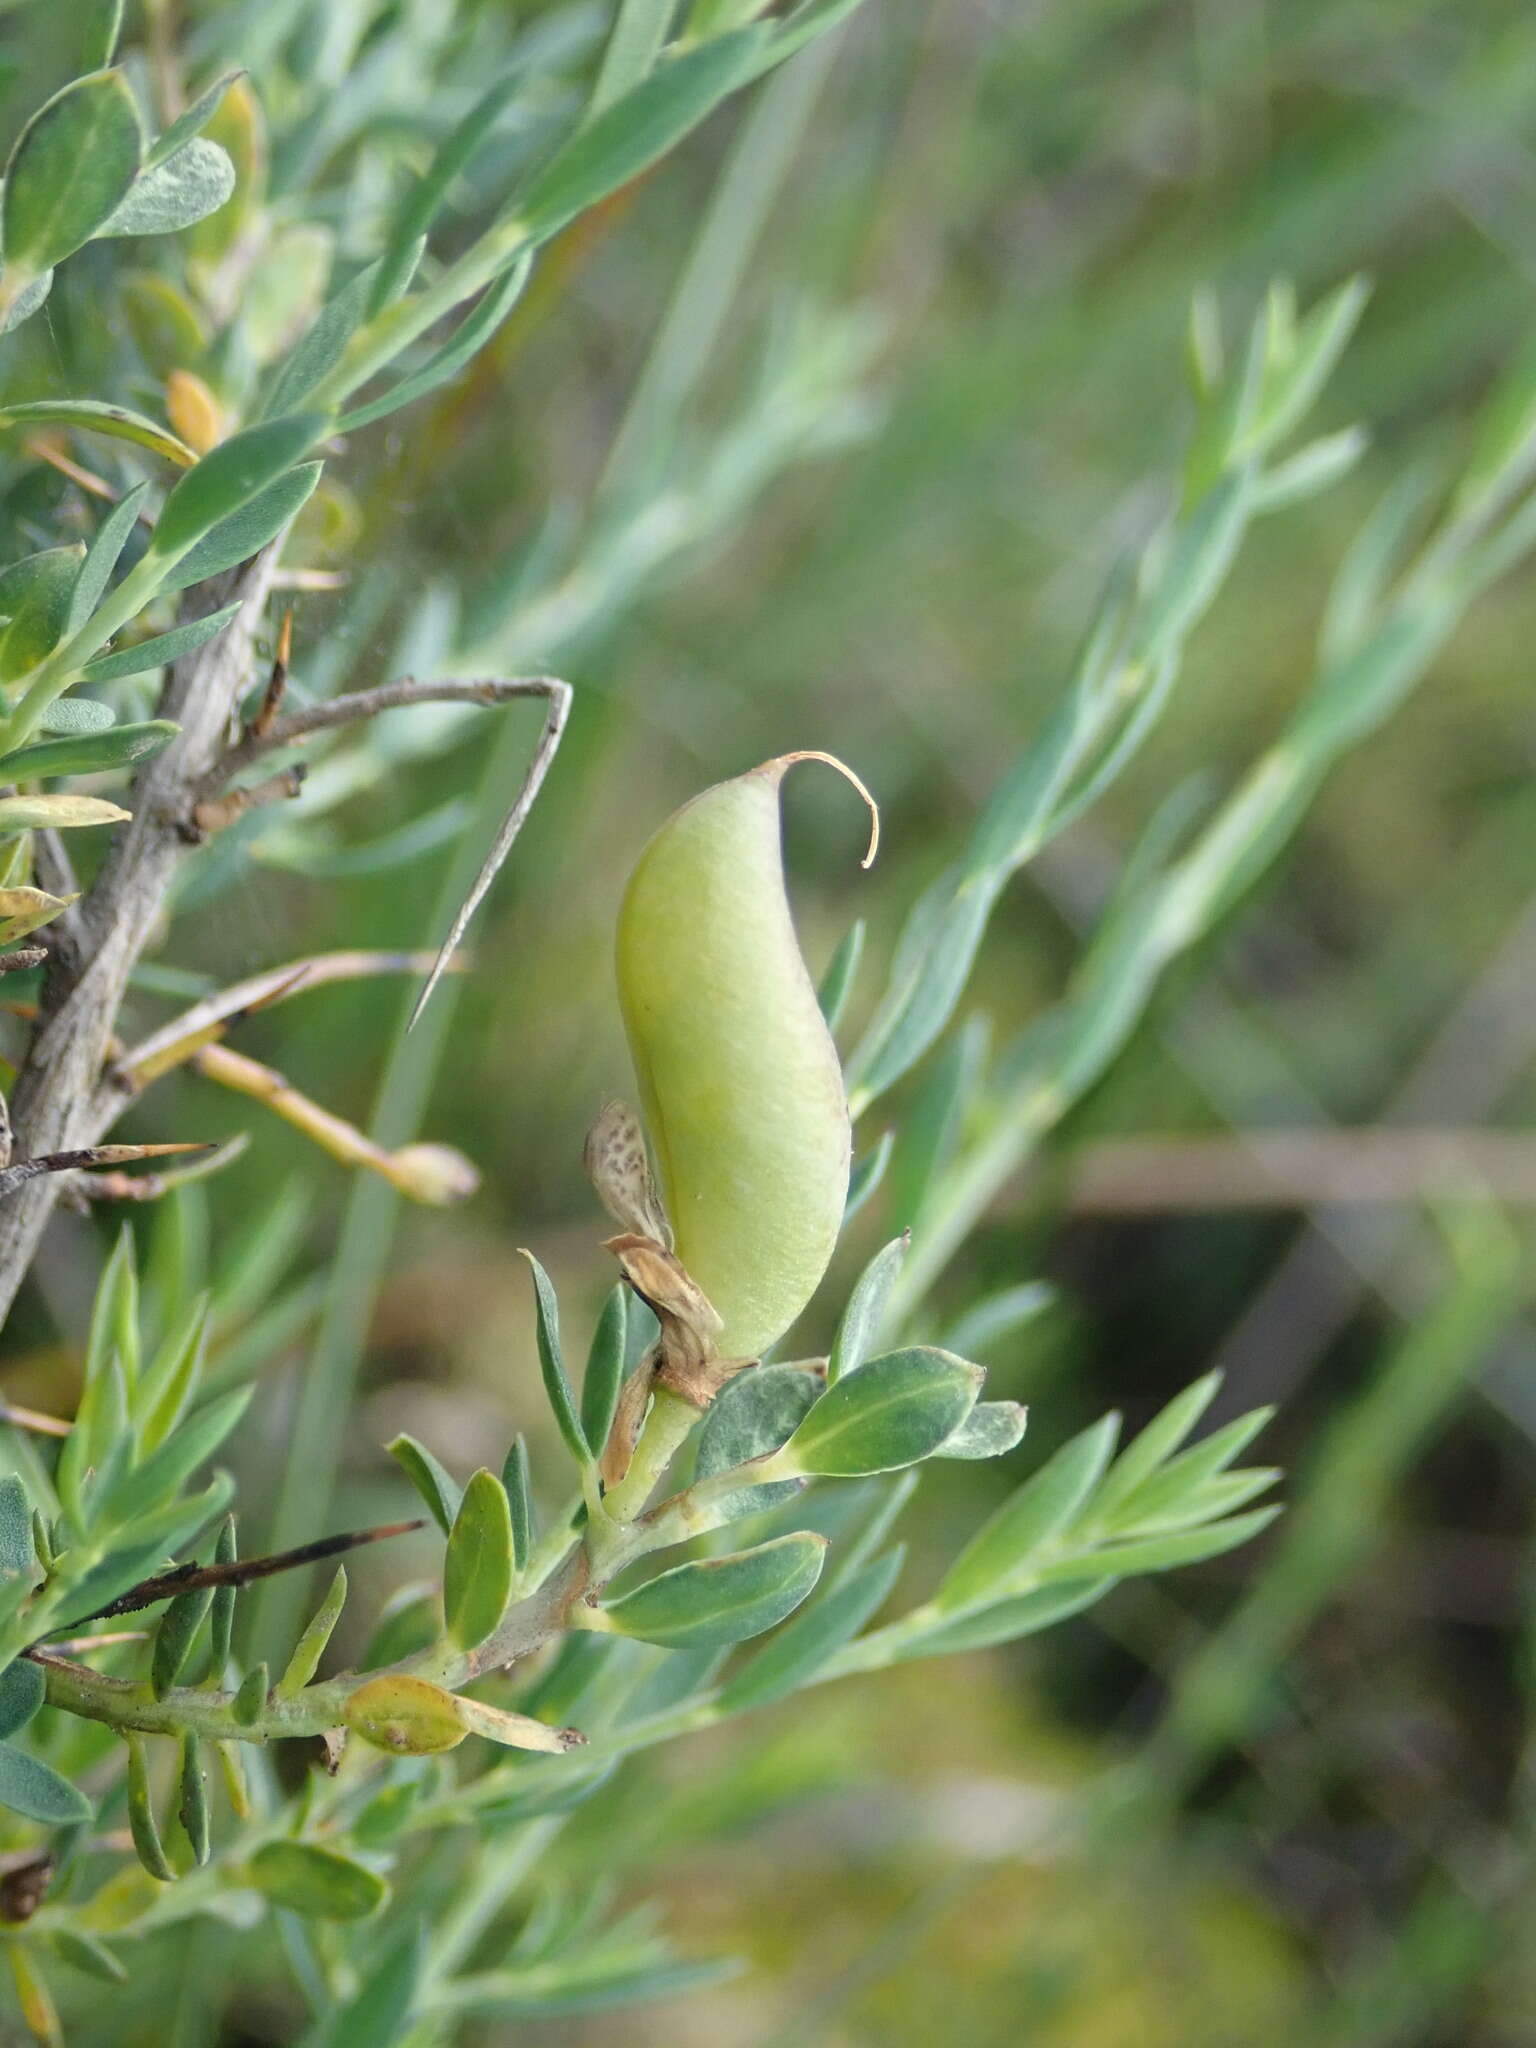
<point x="60" y="1101"/>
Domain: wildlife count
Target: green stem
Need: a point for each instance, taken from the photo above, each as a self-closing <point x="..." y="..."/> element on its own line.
<point x="130" y="1704"/>
<point x="377" y="345"/>
<point x="667" y="1429"/>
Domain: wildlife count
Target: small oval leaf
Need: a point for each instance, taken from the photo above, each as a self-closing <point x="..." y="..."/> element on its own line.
<point x="477" y="1573"/>
<point x="320" y="1882"/>
<point x="70" y="169"/>
<point x="717" y="1601"/>
<point x="892" y="1412"/>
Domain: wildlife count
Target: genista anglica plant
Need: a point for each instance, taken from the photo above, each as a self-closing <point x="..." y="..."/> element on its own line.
<point x="283" y="261"/>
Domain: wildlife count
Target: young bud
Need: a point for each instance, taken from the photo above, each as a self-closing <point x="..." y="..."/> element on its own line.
<point x="433" y="1173"/>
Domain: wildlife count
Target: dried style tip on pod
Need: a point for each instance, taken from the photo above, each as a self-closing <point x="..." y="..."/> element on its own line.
<point x="740" y="1082"/>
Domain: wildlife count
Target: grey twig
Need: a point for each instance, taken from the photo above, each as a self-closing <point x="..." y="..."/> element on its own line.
<point x="266" y="735"/>
<point x="215" y="813"/>
<point x="60" y="1101"/>
<point x="558" y="695"/>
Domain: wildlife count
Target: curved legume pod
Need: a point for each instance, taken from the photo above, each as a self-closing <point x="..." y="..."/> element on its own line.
<point x="740" y="1083"/>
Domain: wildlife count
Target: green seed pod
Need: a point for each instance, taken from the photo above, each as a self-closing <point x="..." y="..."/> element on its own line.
<point x="740" y="1082"/>
<point x="408" y="1716"/>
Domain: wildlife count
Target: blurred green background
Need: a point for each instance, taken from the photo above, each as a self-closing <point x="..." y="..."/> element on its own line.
<point x="1013" y="206"/>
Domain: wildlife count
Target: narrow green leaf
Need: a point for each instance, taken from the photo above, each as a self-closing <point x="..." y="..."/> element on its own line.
<point x="842" y="972"/>
<point x="141" y="1813"/>
<point x="437" y="1489"/>
<point x="755" y="1413"/>
<point x="319" y="351"/>
<point x="250" y="1700"/>
<point x="803" y="25"/>
<point x="175" y="192"/>
<point x="518" y="1481"/>
<point x="230" y="476"/>
<point x="1163" y="1553"/>
<point x="379" y="2011"/>
<point x="192" y="1800"/>
<point x="91" y="416"/>
<point x="605" y="1370"/>
<point x="859" y="1329"/>
<point x="817" y="1632"/>
<point x="35" y="598"/>
<point x="1150" y="1446"/>
<point x="1216" y="1499"/>
<point x="1314" y="468"/>
<point x="32" y="1789"/>
<point x="319" y="1883"/>
<point x="101" y="558"/>
<point x="892" y="1412"/>
<point x="467" y="339"/>
<point x="221" y="1621"/>
<point x="246" y="532"/>
<point x="997" y="1316"/>
<point x="635" y="43"/>
<point x="169" y="1468"/>
<point x="1162" y="1491"/>
<point x="100" y="39"/>
<point x="928" y="977"/>
<point x="85" y="1953"/>
<point x="552" y="1365"/>
<point x="175" y="1636"/>
<point x="92" y="754"/>
<point x="867" y="1175"/>
<point x="192" y="122"/>
<point x="310" y="1648"/>
<point x="991" y="1430"/>
<point x="627" y="137"/>
<point x="477" y="1572"/>
<point x="721" y="1600"/>
<point x="69" y="171"/>
<point x="26" y="302"/>
<point x="1293" y="390"/>
<point x="934" y="1120"/>
<point x="1045" y="1505"/>
<point x="22" y="1689"/>
<point x="427" y="197"/>
<point x="1005" y="1621"/>
<point x="146" y="1543"/>
<point x="171" y="1378"/>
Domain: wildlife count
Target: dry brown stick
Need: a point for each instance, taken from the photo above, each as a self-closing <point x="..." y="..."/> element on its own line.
<point x="84" y="1188"/>
<point x="14" y="1178"/>
<point x="243" y="1571"/>
<point x="216" y="813"/>
<point x="422" y="1172"/>
<point x="181" y="1037"/>
<point x="1298" y="1168"/>
<point x="29" y="1418"/>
